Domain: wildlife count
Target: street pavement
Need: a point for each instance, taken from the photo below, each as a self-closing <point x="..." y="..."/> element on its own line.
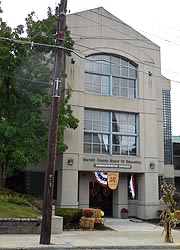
<point x="123" y="234"/>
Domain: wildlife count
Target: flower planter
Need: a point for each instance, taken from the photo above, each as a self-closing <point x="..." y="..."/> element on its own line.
<point x="87" y="222"/>
<point x="124" y="215"/>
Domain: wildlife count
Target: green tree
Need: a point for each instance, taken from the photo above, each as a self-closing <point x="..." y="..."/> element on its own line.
<point x="25" y="81"/>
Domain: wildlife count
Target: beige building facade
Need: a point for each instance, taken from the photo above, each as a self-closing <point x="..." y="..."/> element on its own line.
<point x="119" y="97"/>
<point x="123" y="104"/>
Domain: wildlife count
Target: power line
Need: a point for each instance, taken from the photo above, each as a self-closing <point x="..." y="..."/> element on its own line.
<point x="121" y="22"/>
<point x="77" y="54"/>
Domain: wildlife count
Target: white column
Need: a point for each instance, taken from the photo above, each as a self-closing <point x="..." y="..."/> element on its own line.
<point x="120" y="196"/>
<point x="148" y="195"/>
<point x="67" y="190"/>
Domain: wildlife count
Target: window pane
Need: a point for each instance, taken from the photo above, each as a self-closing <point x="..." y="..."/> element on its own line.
<point x="87" y="125"/>
<point x="87" y="148"/>
<point x="97" y="67"/>
<point x="124" y="92"/>
<point x="124" y="62"/>
<point x="115" y="117"/>
<point x="88" y="87"/>
<point x="88" y="66"/>
<point x="131" y="119"/>
<point x="132" y="66"/>
<point x="116" y="150"/>
<point x="132" y="93"/>
<point x="132" y="151"/>
<point x="96" y="115"/>
<point x="115" y="124"/>
<point x="124" y="140"/>
<point x="105" y="146"/>
<point x="105" y="90"/>
<point x="115" y="70"/>
<point x="105" y="121"/>
<point x="115" y="60"/>
<point x="132" y="73"/>
<point x="96" y="126"/>
<point x="131" y="129"/>
<point x="124" y="71"/>
<point x="105" y="149"/>
<point x="97" y="120"/>
<point x="88" y="114"/>
<point x="124" y="118"/>
<point x="106" y="68"/>
<point x="97" y="138"/>
<point x="115" y="82"/>
<point x="96" y="149"/>
<point x="116" y="91"/>
<point x="105" y="80"/>
<point x="132" y="145"/>
<point x="96" y="79"/>
<point x="96" y="88"/>
<point x="88" y="78"/>
<point x="87" y="137"/>
<point x="124" y="150"/>
<point x="116" y="139"/>
<point x="132" y="84"/>
<point x="124" y="83"/>
<point x="123" y="128"/>
<point x="106" y="58"/>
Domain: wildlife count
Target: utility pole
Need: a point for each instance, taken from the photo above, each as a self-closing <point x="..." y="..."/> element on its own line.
<point x="53" y="129"/>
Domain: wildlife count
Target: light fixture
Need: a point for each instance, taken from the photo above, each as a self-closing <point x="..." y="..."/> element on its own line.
<point x="150" y="73"/>
<point x="152" y="165"/>
<point x="72" y="61"/>
<point x="70" y="162"/>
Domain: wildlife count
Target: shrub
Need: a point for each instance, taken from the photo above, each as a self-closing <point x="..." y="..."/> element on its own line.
<point x="69" y="214"/>
<point x="10" y="196"/>
<point x="19" y="200"/>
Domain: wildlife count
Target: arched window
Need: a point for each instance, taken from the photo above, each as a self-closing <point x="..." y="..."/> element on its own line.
<point x="111" y="75"/>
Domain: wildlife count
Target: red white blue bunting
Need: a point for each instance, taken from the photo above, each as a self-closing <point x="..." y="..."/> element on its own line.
<point x="101" y="177"/>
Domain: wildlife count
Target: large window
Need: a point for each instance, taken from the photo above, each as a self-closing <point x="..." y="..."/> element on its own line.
<point x="111" y="133"/>
<point x="110" y="75"/>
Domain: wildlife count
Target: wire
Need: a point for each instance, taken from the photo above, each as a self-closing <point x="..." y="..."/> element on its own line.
<point x="70" y="50"/>
<point x="119" y="21"/>
<point x="152" y="66"/>
<point x="142" y="40"/>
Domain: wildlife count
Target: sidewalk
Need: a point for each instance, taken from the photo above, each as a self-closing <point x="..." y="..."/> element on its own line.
<point x="127" y="234"/>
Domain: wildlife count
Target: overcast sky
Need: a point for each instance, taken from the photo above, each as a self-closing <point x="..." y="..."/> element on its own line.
<point x="159" y="20"/>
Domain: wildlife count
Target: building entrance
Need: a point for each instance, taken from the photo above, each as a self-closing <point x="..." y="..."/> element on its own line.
<point x="100" y="197"/>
